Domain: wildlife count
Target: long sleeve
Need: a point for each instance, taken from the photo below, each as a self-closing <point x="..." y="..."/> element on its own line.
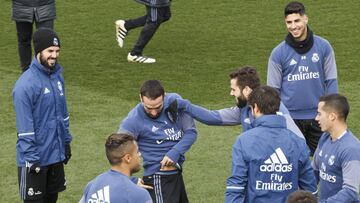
<point x="25" y="124"/>
<point x="351" y="179"/>
<point x="236" y="183"/>
<point x="68" y="136"/>
<point x="274" y="72"/>
<point x="331" y="83"/>
<point x="189" y="137"/>
<point x="307" y="180"/>
<point x="227" y="116"/>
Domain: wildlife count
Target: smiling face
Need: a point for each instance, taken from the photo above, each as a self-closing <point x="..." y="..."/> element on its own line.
<point x="153" y="107"/>
<point x="235" y="91"/>
<point x="48" y="57"/>
<point x="296" y="24"/>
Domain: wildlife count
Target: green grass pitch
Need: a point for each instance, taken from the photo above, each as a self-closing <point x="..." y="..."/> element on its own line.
<point x="203" y="41"/>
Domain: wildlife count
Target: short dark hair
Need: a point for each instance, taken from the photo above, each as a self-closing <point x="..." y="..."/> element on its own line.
<point x="337" y="103"/>
<point x="116" y="146"/>
<point x="266" y="98"/>
<point x="301" y="196"/>
<point x="152" y="89"/>
<point x="294" y="7"/>
<point x="246" y="76"/>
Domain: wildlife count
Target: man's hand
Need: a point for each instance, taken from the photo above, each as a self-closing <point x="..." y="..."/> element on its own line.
<point x="172" y="111"/>
<point x="67" y="153"/>
<point x="33" y="168"/>
<point x="141" y="184"/>
<point x="167" y="164"/>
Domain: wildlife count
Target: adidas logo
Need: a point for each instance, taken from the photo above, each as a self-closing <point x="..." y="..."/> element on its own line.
<point x="292" y="62"/>
<point x="101" y="196"/>
<point x="277" y="162"/>
<point x="46" y="90"/>
<point x="154" y="129"/>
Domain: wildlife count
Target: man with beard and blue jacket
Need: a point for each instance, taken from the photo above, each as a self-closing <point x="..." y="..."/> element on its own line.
<point x="303" y="69"/>
<point x="163" y="134"/>
<point x="268" y="161"/>
<point x="42" y="122"/>
<point x="242" y="81"/>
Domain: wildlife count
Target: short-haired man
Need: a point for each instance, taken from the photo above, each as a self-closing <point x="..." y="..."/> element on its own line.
<point x="242" y="82"/>
<point x="163" y="135"/>
<point x="302" y="68"/>
<point x="337" y="157"/>
<point x="115" y="184"/>
<point x="269" y="161"/>
<point x="42" y="122"/>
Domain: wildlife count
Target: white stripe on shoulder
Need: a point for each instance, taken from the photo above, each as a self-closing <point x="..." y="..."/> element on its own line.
<point x="67" y="118"/>
<point x="235" y="187"/>
<point x="25" y="134"/>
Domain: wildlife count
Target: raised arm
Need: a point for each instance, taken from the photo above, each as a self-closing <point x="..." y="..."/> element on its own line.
<point x="227" y="116"/>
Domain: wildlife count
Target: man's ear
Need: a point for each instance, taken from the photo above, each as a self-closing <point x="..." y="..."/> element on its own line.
<point x="127" y="158"/>
<point x="247" y="91"/>
<point x="332" y="116"/>
<point x="256" y="109"/>
<point x="140" y="98"/>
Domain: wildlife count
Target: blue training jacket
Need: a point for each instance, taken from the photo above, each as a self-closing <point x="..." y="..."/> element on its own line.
<point x="160" y="137"/>
<point x="268" y="163"/>
<point x="42" y="118"/>
<point x="113" y="186"/>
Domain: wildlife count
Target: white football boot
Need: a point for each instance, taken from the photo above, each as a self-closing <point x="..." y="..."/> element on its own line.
<point x="140" y="59"/>
<point x="121" y="32"/>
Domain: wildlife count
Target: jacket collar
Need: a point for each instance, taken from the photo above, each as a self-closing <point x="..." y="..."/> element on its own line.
<point x="272" y="121"/>
<point x="35" y="63"/>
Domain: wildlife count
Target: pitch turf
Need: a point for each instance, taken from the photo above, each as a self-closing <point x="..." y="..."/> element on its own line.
<point x="195" y="50"/>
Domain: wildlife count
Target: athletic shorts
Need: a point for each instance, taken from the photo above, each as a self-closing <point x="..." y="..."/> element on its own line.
<point x="50" y="179"/>
<point x="168" y="188"/>
<point x="312" y="133"/>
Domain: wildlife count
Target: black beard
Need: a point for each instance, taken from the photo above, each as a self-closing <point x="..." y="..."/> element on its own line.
<point x="46" y="64"/>
<point x="241" y="102"/>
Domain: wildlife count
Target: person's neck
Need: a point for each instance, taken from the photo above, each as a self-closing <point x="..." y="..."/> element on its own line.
<point x="121" y="169"/>
<point x="337" y="131"/>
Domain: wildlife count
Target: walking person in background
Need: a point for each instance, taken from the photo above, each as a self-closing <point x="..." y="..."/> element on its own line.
<point x="26" y="13"/>
<point x="157" y="12"/>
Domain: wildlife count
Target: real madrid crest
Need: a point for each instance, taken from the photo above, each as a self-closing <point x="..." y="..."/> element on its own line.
<point x="331" y="160"/>
<point x="30" y="191"/>
<point x="315" y="57"/>
<point x="56" y="42"/>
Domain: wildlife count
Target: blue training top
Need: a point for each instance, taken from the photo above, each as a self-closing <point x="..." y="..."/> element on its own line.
<point x="336" y="164"/>
<point x="160" y="137"/>
<point x="303" y="78"/>
<point x="113" y="186"/>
